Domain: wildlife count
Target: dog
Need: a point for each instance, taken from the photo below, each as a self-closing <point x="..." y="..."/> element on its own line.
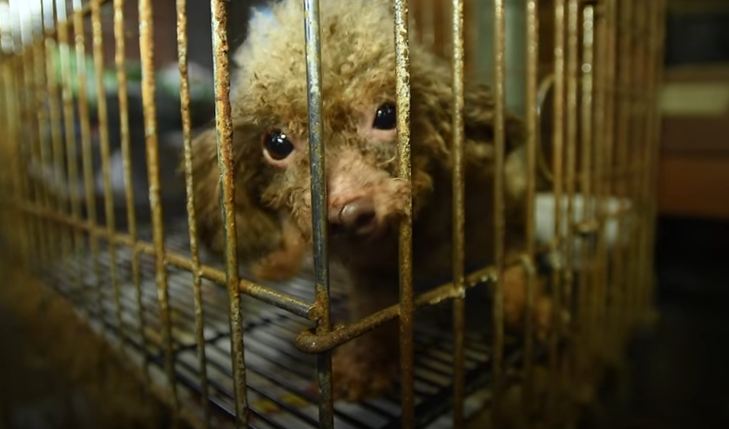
<point x="366" y="198"/>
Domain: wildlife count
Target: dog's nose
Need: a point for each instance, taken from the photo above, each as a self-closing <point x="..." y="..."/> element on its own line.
<point x="356" y="217"/>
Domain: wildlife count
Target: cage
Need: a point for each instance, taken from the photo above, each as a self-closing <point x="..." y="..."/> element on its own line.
<point x="91" y="119"/>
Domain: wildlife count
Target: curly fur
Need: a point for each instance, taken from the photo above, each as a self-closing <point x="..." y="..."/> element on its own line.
<point x="273" y="216"/>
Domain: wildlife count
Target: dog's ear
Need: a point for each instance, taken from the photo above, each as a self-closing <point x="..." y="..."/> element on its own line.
<point x="260" y="231"/>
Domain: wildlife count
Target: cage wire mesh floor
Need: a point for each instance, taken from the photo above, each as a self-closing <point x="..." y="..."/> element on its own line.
<point x="280" y="379"/>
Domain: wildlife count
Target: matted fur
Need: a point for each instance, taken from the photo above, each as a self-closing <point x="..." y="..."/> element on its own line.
<point x="358" y="74"/>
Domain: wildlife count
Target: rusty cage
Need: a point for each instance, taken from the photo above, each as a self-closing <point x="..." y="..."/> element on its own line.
<point x="582" y="74"/>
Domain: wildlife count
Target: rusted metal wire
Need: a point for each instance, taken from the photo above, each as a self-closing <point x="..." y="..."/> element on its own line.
<point x="557" y="189"/>
<point x="191" y="216"/>
<point x="571" y="110"/>
<point x="624" y="18"/>
<point x="69" y="123"/>
<point x="317" y="162"/>
<point x="458" y="209"/>
<point x="499" y="215"/>
<point x="52" y="94"/>
<point x="587" y="290"/>
<point x="146" y="49"/>
<point x="103" y="120"/>
<point x="311" y="343"/>
<point x="532" y="129"/>
<point x="50" y="238"/>
<point x="131" y="215"/>
<point x="79" y="34"/>
<point x="223" y="124"/>
<point x="405" y="243"/>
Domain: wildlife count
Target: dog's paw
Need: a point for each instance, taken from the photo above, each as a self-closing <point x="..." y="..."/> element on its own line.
<point x="362" y="372"/>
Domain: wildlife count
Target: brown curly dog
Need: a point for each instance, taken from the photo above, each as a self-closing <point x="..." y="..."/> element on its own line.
<point x="366" y="199"/>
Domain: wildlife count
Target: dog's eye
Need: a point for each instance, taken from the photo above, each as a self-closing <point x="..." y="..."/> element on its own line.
<point x="386" y="117"/>
<point x="278" y="145"/>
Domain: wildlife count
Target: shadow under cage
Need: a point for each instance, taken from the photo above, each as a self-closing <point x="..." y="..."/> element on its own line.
<point x="86" y="150"/>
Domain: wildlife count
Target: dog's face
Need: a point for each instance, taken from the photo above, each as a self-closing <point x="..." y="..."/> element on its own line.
<point x="270" y="137"/>
<point x="366" y="198"/>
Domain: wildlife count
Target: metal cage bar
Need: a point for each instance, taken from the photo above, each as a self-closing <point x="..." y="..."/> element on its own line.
<point x="72" y="175"/>
<point x="499" y="75"/>
<point x="458" y="258"/>
<point x="224" y="141"/>
<point x="54" y="106"/>
<point x="103" y="119"/>
<point x="532" y="140"/>
<point x="125" y="143"/>
<point x="79" y="34"/>
<point x="405" y="239"/>
<point x="146" y="49"/>
<point x="182" y="58"/>
<point x="558" y="143"/>
<point x="317" y="162"/>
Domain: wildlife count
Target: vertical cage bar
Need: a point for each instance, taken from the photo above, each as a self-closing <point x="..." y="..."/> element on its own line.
<point x="641" y="40"/>
<point x="558" y="174"/>
<point x="319" y="203"/>
<point x="123" y="94"/>
<point x="103" y="118"/>
<point x="12" y="117"/>
<point x="49" y="230"/>
<point x="587" y="262"/>
<point x="146" y="50"/>
<point x="86" y="150"/>
<point x="632" y="161"/>
<point x="182" y="61"/>
<point x="656" y="53"/>
<point x="499" y="73"/>
<point x="622" y="168"/>
<point x="69" y="122"/>
<point x="644" y="275"/>
<point x="405" y="250"/>
<point x="572" y="108"/>
<point x="610" y="191"/>
<point x="223" y="123"/>
<point x="26" y="146"/>
<point x="58" y="176"/>
<point x="532" y="127"/>
<point x="458" y="214"/>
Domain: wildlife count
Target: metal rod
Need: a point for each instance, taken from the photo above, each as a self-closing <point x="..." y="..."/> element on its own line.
<point x="572" y="110"/>
<point x="623" y="136"/>
<point x="532" y="126"/>
<point x="499" y="73"/>
<point x="312" y="343"/>
<point x="123" y="94"/>
<point x="146" y="49"/>
<point x="79" y="34"/>
<point x="557" y="183"/>
<point x="317" y="161"/>
<point x="12" y="116"/>
<point x="50" y="239"/>
<point x="587" y="287"/>
<point x="58" y="168"/>
<point x="182" y="61"/>
<point x="264" y="294"/>
<point x="458" y="208"/>
<point x="223" y="124"/>
<point x="402" y="89"/>
<point x="103" y="119"/>
<point x="69" y="122"/>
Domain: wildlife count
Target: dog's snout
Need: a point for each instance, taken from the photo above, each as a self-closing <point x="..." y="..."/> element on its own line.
<point x="356" y="217"/>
